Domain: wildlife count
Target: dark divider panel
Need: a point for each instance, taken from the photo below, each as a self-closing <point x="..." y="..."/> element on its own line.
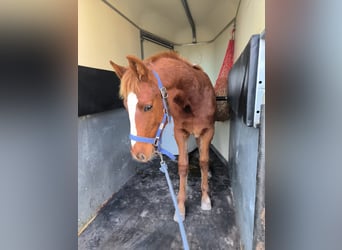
<point x="242" y="81"/>
<point x="98" y="91"/>
<point x="244" y="139"/>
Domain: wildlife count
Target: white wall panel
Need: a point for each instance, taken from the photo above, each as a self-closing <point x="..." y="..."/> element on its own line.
<point x="104" y="35"/>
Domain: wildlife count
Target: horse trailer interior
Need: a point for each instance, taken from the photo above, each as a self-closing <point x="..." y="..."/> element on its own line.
<point x="125" y="204"/>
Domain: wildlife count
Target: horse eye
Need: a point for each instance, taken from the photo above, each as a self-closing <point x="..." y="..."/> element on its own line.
<point x="147" y="108"/>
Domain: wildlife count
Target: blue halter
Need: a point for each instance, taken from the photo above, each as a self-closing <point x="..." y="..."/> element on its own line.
<point x="156" y="141"/>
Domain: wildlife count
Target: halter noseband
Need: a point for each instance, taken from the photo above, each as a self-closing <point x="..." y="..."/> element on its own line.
<point x="156" y="141"/>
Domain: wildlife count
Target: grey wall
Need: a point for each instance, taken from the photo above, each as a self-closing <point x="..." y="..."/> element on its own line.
<point x="243" y="156"/>
<point x="104" y="160"/>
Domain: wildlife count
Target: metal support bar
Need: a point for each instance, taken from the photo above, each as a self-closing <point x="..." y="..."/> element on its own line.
<point x="155" y="39"/>
<point x="142" y="48"/>
<point x="190" y="19"/>
<point x="222" y="98"/>
<point x="144" y="35"/>
<point x="121" y="14"/>
<point x="209" y="41"/>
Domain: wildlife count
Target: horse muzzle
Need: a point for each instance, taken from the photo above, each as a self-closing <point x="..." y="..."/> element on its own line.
<point x="143" y="152"/>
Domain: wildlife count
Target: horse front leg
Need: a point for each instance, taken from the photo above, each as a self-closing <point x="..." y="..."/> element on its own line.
<point x="183" y="164"/>
<point x="203" y="145"/>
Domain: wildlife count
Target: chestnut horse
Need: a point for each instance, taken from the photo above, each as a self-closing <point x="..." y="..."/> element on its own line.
<point x="191" y="103"/>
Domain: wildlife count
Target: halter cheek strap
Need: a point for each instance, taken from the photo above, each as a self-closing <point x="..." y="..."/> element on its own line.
<point x="156" y="141"/>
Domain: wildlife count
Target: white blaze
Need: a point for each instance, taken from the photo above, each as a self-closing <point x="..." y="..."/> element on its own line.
<point x="132" y="101"/>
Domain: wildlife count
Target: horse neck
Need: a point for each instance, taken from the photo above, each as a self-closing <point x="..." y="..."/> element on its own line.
<point x="177" y="90"/>
<point x="169" y="80"/>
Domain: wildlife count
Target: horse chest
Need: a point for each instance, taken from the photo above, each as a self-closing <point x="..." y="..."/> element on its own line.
<point x="190" y="126"/>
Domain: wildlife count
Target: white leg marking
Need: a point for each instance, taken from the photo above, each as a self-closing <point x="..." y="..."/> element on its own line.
<point x="132" y="101"/>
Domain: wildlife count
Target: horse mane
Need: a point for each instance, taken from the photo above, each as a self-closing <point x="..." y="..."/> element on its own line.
<point x="167" y="54"/>
<point x="129" y="81"/>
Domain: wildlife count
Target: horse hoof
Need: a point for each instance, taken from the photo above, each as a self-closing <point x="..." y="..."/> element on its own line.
<point x="175" y="217"/>
<point x="206" y="204"/>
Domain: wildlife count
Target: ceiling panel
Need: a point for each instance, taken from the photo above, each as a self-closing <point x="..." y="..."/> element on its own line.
<point x="167" y="18"/>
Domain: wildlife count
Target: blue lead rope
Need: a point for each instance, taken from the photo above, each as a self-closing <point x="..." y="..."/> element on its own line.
<point x="163" y="168"/>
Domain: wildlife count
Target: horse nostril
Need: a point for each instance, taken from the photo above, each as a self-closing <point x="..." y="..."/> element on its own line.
<point x="141" y="157"/>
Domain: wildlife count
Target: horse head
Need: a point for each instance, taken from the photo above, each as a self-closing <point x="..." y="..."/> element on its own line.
<point x="142" y="100"/>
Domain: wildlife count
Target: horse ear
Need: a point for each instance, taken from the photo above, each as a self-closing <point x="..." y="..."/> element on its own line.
<point x="119" y="70"/>
<point x="138" y="67"/>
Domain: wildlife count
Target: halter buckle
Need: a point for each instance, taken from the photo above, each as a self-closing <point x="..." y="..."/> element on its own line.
<point x="156" y="141"/>
<point x="164" y="92"/>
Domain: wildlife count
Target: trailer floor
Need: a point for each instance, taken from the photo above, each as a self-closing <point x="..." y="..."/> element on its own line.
<point x="140" y="215"/>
